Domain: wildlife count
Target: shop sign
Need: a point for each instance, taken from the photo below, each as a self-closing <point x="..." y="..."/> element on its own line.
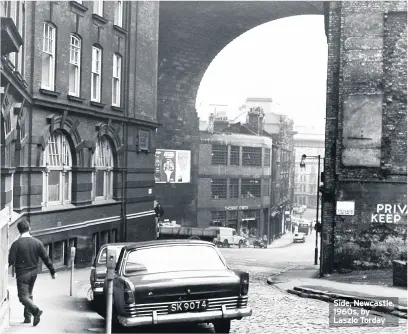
<point x="345" y="208"/>
<point x="234" y="208"/>
<point x="287" y="212"/>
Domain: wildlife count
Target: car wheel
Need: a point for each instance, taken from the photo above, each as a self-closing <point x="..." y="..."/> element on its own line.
<point x="240" y="244"/>
<point x="222" y="326"/>
<point x="225" y="243"/>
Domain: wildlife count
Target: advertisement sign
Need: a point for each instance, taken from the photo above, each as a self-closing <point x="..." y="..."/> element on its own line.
<point x="172" y="166"/>
<point x="344" y="208"/>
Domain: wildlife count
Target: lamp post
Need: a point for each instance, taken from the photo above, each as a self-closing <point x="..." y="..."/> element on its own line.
<point x="303" y="165"/>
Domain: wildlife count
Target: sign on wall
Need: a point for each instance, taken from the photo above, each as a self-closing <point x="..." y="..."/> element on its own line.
<point x="345" y="208"/>
<point x="172" y="166"/>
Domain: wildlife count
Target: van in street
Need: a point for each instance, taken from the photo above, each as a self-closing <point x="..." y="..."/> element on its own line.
<point x="227" y="236"/>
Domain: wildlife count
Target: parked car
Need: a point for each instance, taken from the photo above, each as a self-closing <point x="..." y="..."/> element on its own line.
<point x="168" y="281"/>
<point x="227" y="236"/>
<point x="299" y="237"/>
<point x="98" y="275"/>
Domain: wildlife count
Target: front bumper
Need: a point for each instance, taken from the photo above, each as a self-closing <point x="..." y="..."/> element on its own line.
<point x="207" y="316"/>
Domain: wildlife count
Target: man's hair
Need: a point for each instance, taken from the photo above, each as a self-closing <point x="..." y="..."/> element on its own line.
<point x="23" y="226"/>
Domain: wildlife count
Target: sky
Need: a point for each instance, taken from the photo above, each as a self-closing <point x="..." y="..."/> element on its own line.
<point x="285" y="60"/>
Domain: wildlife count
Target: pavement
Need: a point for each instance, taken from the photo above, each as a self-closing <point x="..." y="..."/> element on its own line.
<point x="62" y="313"/>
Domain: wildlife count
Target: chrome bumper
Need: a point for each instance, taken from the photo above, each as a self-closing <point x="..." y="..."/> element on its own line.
<point x="206" y="316"/>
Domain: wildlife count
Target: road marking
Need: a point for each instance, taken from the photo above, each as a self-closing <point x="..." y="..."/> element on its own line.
<point x="251" y="259"/>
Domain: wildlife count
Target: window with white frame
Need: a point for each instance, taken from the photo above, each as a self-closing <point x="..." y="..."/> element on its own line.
<point x="118" y="13"/>
<point x="48" y="57"/>
<point x="98" y="7"/>
<point x="96" y="74"/>
<point x="57" y="176"/>
<point x="117" y="70"/>
<point x="103" y="175"/>
<point x="74" y="65"/>
<point x="13" y="15"/>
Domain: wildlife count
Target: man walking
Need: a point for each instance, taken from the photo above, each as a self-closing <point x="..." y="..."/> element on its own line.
<point x="24" y="255"/>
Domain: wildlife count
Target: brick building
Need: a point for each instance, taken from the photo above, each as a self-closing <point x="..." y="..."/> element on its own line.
<point x="366" y="107"/>
<point x="245" y="183"/>
<point x="79" y="140"/>
<point x="311" y="144"/>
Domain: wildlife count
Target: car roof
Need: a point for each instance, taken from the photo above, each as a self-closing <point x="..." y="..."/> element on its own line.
<point x="142" y="244"/>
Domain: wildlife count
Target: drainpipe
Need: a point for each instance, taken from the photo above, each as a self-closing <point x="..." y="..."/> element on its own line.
<point x="125" y="128"/>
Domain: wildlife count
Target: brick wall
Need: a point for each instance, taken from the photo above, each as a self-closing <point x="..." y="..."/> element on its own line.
<point x="365" y="80"/>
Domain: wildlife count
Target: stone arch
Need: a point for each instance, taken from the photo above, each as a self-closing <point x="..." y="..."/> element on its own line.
<point x="70" y="129"/>
<point x="108" y="131"/>
<point x="191" y="34"/>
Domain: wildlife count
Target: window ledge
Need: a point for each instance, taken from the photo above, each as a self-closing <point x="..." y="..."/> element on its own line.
<point x="58" y="207"/>
<point x="75" y="98"/>
<point x="119" y="29"/>
<point x="49" y="92"/>
<point x="117" y="108"/>
<point x="99" y="18"/>
<point x="103" y="201"/>
<point x="78" y="6"/>
<point x="97" y="104"/>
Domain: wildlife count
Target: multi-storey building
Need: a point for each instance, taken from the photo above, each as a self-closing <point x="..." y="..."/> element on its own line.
<point x="13" y="94"/>
<point x="79" y="120"/>
<point x="312" y="145"/>
<point x="234" y="180"/>
<point x="244" y="174"/>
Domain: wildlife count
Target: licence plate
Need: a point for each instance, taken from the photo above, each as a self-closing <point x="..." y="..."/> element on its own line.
<point x="188" y="306"/>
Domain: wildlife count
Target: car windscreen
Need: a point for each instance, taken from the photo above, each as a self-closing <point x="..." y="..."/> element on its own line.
<point x="172" y="258"/>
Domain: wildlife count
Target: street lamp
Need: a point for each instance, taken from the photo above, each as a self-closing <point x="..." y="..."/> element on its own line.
<point x="303" y="165"/>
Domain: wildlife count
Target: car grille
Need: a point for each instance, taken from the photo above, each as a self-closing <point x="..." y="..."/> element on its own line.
<point x="214" y="304"/>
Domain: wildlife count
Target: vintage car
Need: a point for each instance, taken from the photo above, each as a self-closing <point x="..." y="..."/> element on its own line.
<point x="299" y="237"/>
<point x="98" y="275"/>
<point x="177" y="281"/>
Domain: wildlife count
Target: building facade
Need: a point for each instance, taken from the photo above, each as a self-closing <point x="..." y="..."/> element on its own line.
<point x="234" y="180"/>
<point x="306" y="178"/>
<point x="79" y="142"/>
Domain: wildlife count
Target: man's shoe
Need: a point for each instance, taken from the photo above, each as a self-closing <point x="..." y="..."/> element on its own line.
<point x="27" y="321"/>
<point x="37" y="318"/>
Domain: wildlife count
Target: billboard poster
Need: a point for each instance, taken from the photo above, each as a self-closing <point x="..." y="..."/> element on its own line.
<point x="172" y="166"/>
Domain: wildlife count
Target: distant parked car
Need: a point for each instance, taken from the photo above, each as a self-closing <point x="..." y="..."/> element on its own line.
<point x="168" y="281"/>
<point x="98" y="275"/>
<point x="299" y="237"/>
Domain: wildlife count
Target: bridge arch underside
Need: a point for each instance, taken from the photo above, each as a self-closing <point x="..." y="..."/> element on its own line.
<point x="366" y="105"/>
<point x="191" y="34"/>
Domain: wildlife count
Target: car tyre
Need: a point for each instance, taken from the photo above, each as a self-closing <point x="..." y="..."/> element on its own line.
<point x="222" y="326"/>
<point x="240" y="244"/>
<point x="225" y="243"/>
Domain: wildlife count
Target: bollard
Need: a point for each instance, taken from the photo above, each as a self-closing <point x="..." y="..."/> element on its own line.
<point x="71" y="287"/>
<point x="110" y="266"/>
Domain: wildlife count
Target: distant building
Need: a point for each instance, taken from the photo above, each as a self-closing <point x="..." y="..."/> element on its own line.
<point x="311" y="144"/>
<point x="246" y="182"/>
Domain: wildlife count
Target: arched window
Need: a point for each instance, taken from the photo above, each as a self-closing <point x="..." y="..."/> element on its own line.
<point x="103" y="176"/>
<point x="57" y="176"/>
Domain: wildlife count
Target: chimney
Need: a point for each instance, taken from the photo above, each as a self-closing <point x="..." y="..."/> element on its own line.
<point x="255" y="120"/>
<point x="210" y="127"/>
